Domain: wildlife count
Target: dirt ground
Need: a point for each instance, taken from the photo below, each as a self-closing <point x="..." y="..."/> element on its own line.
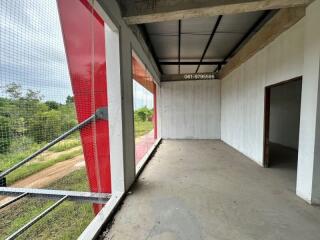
<point x="48" y="175"/>
<point x="51" y="155"/>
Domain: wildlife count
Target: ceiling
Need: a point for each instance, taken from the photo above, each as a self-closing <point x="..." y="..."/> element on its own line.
<point x="214" y="38"/>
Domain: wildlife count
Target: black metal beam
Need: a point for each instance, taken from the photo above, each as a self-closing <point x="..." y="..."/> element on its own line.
<point x="193" y="63"/>
<point x="209" y="40"/>
<point x="150" y="46"/>
<point x="245" y="36"/>
<point x="179" y="46"/>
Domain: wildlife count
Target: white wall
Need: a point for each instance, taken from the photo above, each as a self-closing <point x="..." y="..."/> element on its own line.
<point x="285" y="101"/>
<point x="190" y="109"/>
<point x="308" y="178"/>
<point x="242" y="91"/>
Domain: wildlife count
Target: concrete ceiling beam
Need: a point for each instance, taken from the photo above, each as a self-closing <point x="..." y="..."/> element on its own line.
<point x="280" y="22"/>
<point x="146" y="11"/>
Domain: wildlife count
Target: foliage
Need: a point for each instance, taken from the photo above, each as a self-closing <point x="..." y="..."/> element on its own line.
<point x="45" y="126"/>
<point x="69" y="99"/>
<point x="23" y="114"/>
<point x="143" y="121"/>
<point x="66" y="144"/>
<point x="34" y="167"/>
<point x="12" y="157"/>
<point x="27" y="123"/>
<point x="52" y="105"/>
<point x="142" y="128"/>
<point x="5" y="134"/>
<point x="143" y="114"/>
<point x="15" y="92"/>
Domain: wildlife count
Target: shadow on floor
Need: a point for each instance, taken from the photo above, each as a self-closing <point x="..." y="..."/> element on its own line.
<point x="283" y="157"/>
<point x="284" y="161"/>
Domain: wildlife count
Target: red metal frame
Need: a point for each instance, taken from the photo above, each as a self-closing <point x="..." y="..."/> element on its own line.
<point x="84" y="39"/>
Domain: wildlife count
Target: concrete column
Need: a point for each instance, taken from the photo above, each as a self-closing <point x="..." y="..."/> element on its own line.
<point x="120" y="102"/>
<point x="127" y="106"/>
<point x="308" y="177"/>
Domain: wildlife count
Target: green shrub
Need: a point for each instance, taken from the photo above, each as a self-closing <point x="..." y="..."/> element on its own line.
<point x="143" y="114"/>
<point x="5" y="134"/>
<point x="52" y="105"/>
<point x="46" y="126"/>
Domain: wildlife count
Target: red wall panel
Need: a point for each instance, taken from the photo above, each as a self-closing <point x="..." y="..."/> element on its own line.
<point x="84" y="39"/>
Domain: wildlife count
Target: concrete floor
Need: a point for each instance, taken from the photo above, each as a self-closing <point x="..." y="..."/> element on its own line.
<point x="204" y="189"/>
<point x="283" y="157"/>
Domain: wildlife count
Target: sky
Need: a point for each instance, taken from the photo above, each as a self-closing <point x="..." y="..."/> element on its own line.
<point x="31" y="48"/>
<point x="32" y="51"/>
<point x="141" y="96"/>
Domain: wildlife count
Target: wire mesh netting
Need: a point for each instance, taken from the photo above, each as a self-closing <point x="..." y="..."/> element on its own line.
<point x="36" y="101"/>
<point x="67" y="221"/>
<point x="52" y="76"/>
<point x="36" y="95"/>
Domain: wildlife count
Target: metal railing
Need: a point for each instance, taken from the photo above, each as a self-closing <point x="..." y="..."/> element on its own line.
<point x="60" y="195"/>
<point x="36" y="219"/>
<point x="101" y="113"/>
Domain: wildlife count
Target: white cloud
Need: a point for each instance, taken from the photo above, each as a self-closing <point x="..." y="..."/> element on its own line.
<point x="32" y="52"/>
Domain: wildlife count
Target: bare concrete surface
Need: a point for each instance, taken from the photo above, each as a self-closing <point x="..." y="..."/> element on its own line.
<point x="204" y="189"/>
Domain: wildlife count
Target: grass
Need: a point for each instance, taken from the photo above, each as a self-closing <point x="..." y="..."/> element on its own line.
<point x="141" y="128"/>
<point x="70" y="218"/>
<point x="67" y="221"/>
<point x="65" y="145"/>
<point x="34" y="167"/>
<point x="13" y="157"/>
<point x="9" y="159"/>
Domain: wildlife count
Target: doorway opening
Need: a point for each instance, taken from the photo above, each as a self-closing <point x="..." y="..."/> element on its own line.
<point x="281" y="124"/>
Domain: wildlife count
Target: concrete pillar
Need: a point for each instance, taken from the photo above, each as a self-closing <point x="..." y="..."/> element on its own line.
<point x="119" y="72"/>
<point x="120" y="97"/>
<point x="127" y="106"/>
<point x="308" y="177"/>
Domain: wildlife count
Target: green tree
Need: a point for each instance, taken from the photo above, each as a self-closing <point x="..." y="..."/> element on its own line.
<point x="14" y="90"/>
<point x="52" y="105"/>
<point x="46" y="126"/>
<point x="32" y="95"/>
<point x="143" y="114"/>
<point x="32" y="118"/>
<point x="5" y="134"/>
<point x="69" y="99"/>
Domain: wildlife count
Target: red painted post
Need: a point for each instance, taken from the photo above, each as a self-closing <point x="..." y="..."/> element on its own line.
<point x="84" y="39"/>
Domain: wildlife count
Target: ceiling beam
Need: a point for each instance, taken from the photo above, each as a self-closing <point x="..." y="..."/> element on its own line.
<point x="146" y="11"/>
<point x="280" y="22"/>
<point x="216" y="25"/>
<point x="245" y="37"/>
<point x="193" y="63"/>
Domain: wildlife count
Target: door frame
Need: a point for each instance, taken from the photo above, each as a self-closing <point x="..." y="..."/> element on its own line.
<point x="266" y="124"/>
